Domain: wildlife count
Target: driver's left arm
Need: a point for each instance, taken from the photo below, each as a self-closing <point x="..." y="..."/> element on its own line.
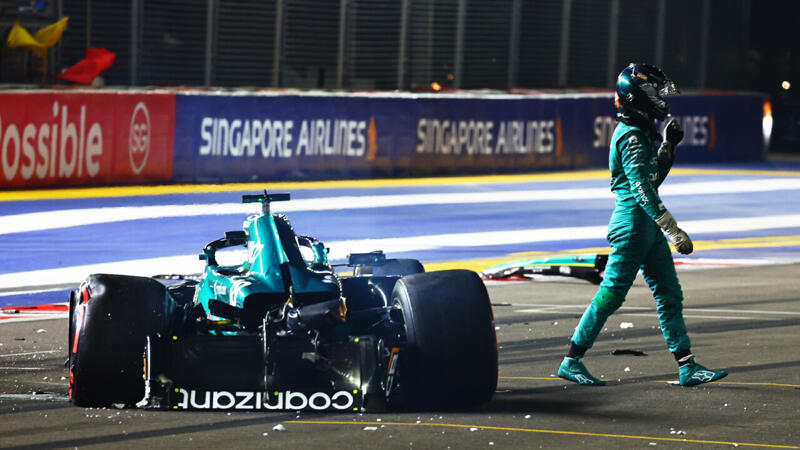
<point x="666" y="152"/>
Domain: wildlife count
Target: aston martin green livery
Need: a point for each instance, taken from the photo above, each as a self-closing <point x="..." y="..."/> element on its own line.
<point x="283" y="331"/>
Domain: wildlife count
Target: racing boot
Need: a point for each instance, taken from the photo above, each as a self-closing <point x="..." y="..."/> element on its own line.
<point x="692" y="374"/>
<point x="572" y="369"/>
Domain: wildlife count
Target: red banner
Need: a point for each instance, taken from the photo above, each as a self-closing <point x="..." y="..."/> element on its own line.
<point x="79" y="138"/>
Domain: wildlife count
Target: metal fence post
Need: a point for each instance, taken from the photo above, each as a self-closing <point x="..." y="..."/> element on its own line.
<point x="705" y="24"/>
<point x="209" y="41"/>
<point x="342" y="35"/>
<point x="659" y="41"/>
<point x="563" y="59"/>
<point x="458" y="59"/>
<point x="278" y="44"/>
<point x="134" y="42"/>
<point x="429" y="43"/>
<point x="613" y="33"/>
<point x="746" y="30"/>
<point x="60" y="12"/>
<point x="401" y="50"/>
<point x="513" y="43"/>
<point x="88" y="23"/>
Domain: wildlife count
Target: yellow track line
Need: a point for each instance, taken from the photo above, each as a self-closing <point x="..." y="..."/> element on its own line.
<point x="746" y="383"/>
<point x="667" y="381"/>
<point x="125" y="191"/>
<point x="533" y="430"/>
<point x="478" y="265"/>
<point x="533" y="378"/>
<point x="768" y="241"/>
<point x="777" y="173"/>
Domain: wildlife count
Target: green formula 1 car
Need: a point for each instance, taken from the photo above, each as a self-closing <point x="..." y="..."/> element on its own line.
<point x="284" y="331"/>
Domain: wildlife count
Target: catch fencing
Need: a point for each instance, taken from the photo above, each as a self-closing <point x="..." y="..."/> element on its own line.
<point x="394" y="44"/>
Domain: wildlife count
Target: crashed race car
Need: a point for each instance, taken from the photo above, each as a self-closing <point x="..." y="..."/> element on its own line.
<point x="284" y="331"/>
<point x="584" y="267"/>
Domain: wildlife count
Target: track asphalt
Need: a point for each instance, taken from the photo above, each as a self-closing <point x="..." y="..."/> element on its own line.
<point x="744" y="318"/>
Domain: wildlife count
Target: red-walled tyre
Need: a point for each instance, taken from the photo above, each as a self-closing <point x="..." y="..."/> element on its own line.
<point x="110" y="316"/>
<point x="450" y="358"/>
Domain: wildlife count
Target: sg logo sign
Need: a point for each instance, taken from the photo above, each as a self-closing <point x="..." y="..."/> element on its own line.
<point x="139" y="140"/>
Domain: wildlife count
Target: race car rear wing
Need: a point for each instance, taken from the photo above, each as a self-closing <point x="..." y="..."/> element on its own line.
<point x="265" y="199"/>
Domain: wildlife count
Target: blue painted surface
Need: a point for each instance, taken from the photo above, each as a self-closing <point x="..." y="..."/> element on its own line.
<point x="149" y="238"/>
<point x="31" y="206"/>
<point x="37" y="298"/>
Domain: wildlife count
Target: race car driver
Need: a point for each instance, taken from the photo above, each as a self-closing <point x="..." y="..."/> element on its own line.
<point x="639" y="161"/>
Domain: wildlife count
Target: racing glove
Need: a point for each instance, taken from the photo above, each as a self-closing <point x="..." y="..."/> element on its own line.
<point x="674" y="135"/>
<point x="673" y="132"/>
<point x="682" y="241"/>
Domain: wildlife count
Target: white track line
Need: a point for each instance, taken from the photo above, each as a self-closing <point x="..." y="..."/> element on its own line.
<point x="527" y="236"/>
<point x="48" y="220"/>
<point x="689" y="313"/>
<point x="7" y="319"/>
<point x="698" y="316"/>
<point x="31" y="291"/>
<point x="744" y="311"/>
<point x="48" y="396"/>
<point x="340" y="249"/>
<point x="654" y="315"/>
<point x="9" y="355"/>
<point x="625" y="309"/>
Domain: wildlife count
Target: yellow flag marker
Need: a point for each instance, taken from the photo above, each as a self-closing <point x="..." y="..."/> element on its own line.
<point x="38" y="43"/>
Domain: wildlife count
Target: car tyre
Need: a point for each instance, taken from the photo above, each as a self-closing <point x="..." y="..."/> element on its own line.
<point x="450" y="358"/>
<point x="110" y="316"/>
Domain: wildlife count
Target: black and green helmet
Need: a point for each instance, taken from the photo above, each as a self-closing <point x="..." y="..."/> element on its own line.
<point x="639" y="91"/>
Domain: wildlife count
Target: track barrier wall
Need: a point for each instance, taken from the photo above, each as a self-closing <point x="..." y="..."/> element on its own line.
<point x="59" y="138"/>
<point x="80" y="138"/>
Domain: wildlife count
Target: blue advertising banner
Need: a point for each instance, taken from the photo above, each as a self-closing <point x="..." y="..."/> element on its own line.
<point x="223" y="137"/>
<point x="246" y="137"/>
<point x="717" y="127"/>
<point x="500" y="134"/>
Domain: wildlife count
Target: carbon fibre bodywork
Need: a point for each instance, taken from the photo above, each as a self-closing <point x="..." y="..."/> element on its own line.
<point x="284" y="331"/>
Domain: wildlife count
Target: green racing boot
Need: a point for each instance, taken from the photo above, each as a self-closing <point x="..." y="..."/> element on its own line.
<point x="572" y="369"/>
<point x="693" y="374"/>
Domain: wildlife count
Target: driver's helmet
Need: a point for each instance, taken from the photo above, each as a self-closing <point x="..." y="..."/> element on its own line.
<point x="639" y="91"/>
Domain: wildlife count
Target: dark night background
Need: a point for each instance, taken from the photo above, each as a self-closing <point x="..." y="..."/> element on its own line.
<point x="774" y="57"/>
<point x="752" y="45"/>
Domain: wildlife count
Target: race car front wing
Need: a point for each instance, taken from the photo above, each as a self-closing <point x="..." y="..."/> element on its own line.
<point x="585" y="267"/>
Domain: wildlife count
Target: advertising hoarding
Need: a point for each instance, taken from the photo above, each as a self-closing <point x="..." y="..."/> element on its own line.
<point x="79" y="138"/>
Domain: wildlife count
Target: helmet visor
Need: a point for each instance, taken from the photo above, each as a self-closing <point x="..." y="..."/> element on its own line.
<point x="669" y="88"/>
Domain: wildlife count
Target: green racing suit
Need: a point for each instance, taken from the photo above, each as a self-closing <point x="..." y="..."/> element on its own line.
<point x="637" y="241"/>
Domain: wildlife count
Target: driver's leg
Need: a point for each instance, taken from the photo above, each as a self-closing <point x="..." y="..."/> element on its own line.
<point x="659" y="272"/>
<point x="629" y="236"/>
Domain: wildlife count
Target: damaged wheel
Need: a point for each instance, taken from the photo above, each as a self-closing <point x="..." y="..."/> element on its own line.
<point x="110" y="316"/>
<point x="450" y="358"/>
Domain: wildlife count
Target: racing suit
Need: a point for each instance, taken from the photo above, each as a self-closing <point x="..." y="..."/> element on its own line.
<point x="637" y="170"/>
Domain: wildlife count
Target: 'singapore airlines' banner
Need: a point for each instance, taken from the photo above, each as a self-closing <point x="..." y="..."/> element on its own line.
<point x="69" y="138"/>
<point x="85" y="138"/>
<point x="221" y="137"/>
